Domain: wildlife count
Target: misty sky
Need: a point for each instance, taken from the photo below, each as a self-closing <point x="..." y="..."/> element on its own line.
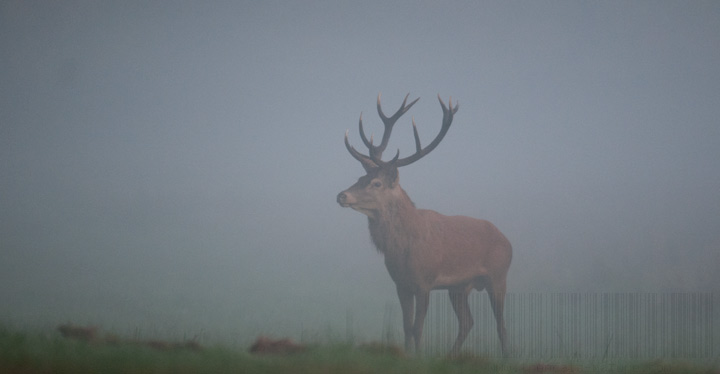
<point x="173" y="166"/>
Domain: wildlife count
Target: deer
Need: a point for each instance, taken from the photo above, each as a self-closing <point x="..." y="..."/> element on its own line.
<point x="423" y="249"/>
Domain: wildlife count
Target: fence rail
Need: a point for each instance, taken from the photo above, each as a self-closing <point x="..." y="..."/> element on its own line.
<point x="586" y="325"/>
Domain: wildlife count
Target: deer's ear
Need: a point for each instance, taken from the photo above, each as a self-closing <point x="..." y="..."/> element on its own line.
<point x="393" y="177"/>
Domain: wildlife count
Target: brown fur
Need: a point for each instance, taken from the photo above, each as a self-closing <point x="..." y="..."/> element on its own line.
<point x="425" y="250"/>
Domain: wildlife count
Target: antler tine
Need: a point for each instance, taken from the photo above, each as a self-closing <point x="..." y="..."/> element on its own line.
<point x="421" y="152"/>
<point x="366" y="161"/>
<point x="362" y="135"/>
<point x="389" y="122"/>
<point x="417" y="137"/>
<point x="450" y="104"/>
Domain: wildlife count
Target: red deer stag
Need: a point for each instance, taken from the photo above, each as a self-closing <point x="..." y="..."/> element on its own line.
<point x="425" y="250"/>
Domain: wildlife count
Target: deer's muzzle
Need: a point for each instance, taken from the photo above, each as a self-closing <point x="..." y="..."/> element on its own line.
<point x="344" y="200"/>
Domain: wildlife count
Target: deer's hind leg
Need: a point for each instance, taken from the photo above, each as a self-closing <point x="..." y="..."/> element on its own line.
<point x="496" y="293"/>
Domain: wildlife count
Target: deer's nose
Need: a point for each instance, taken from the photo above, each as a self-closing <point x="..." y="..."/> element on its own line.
<point x="341" y="198"/>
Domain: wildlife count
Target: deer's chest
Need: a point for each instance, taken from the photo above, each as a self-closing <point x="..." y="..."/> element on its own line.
<point x="411" y="269"/>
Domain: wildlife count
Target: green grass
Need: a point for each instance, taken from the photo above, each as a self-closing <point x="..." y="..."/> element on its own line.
<point x="27" y="353"/>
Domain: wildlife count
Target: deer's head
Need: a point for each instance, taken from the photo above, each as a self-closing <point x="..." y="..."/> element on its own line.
<point x="380" y="185"/>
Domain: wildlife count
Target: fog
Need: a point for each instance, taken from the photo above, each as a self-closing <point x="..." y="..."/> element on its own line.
<point x="173" y="167"/>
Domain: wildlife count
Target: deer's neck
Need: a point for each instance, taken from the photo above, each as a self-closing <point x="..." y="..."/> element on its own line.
<point x="396" y="226"/>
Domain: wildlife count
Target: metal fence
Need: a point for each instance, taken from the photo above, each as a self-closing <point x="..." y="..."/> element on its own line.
<point x="585" y="326"/>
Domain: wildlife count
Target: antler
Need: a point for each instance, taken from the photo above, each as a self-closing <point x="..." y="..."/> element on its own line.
<point x="389" y="122"/>
<point x="421" y="152"/>
<point x="366" y="161"/>
<point x="374" y="158"/>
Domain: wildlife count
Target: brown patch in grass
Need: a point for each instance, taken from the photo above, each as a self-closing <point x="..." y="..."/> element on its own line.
<point x="264" y="345"/>
<point x="91" y="334"/>
<point x="83" y="333"/>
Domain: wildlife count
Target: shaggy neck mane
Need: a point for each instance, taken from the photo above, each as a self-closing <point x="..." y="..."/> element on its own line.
<point x="393" y="228"/>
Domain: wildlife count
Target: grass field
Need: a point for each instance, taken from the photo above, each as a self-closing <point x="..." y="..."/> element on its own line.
<point x="31" y="353"/>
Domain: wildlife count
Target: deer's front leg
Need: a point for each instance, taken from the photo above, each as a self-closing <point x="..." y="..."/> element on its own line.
<point x="422" y="300"/>
<point x="407" y="301"/>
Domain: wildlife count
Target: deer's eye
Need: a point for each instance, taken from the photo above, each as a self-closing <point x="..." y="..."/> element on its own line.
<point x="377" y="184"/>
